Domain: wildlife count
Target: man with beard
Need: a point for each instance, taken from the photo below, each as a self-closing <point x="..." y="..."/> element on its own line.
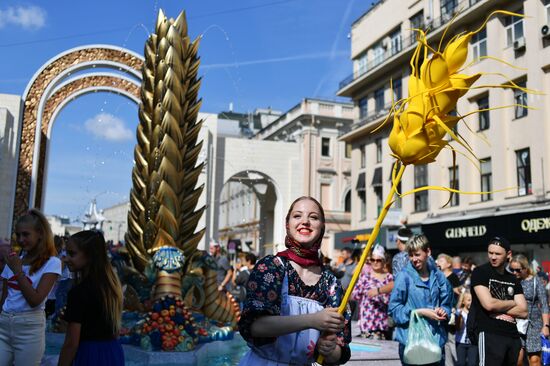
<point x="497" y="300"/>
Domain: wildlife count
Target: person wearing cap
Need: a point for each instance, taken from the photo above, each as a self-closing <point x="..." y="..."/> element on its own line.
<point x="422" y="288"/>
<point x="224" y="271"/>
<point x="401" y="259"/>
<point x="373" y="310"/>
<point x="497" y="300"/>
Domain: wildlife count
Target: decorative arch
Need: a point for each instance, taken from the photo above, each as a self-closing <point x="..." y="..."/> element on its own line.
<point x="49" y="90"/>
<point x="270" y="198"/>
<point x="280" y="162"/>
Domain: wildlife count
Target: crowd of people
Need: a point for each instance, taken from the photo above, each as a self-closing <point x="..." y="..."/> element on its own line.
<point x="445" y="311"/>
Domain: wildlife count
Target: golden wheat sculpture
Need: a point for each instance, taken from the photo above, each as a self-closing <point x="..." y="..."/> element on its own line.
<point x="163" y="212"/>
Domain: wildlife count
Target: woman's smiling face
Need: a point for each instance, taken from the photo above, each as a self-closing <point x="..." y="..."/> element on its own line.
<point x="305" y="222"/>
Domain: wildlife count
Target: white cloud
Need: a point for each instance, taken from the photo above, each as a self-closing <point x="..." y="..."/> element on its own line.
<point x="108" y="127"/>
<point x="27" y="17"/>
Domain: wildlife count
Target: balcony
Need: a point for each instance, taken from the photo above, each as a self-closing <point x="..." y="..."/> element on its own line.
<point x="372" y="116"/>
<point x="406" y="44"/>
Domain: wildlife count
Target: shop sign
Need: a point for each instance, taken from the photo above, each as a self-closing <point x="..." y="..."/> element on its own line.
<point x="466" y="232"/>
<point x="535" y="224"/>
<point x="529" y="227"/>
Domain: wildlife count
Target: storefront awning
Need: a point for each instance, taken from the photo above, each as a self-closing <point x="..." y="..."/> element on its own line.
<point x="377" y="177"/>
<point x="360" y="182"/>
<point x="474" y="232"/>
<point x="346" y="238"/>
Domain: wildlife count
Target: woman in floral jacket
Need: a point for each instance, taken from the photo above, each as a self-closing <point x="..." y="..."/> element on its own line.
<point x="373" y="305"/>
<point x="290" y="314"/>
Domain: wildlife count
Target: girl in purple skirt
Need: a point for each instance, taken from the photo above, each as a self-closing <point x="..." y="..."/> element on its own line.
<point x="94" y="305"/>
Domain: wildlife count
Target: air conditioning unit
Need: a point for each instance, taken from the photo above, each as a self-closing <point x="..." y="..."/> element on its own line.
<point x="519" y="44"/>
<point x="545" y="31"/>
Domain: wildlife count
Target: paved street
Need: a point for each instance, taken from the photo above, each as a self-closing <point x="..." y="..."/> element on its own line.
<point x="372" y="352"/>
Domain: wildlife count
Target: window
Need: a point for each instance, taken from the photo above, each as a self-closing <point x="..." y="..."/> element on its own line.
<point x="523" y="163"/>
<point x="347" y="202"/>
<point x="486" y="179"/>
<point x="398" y="200"/>
<point x="378" y="143"/>
<point x="363" y="156"/>
<point x="363" y="107"/>
<point x="378" y="193"/>
<point x="453" y="183"/>
<point x="514" y="28"/>
<point x="420" y="180"/>
<point x="448" y="8"/>
<point x="397" y="89"/>
<point x="377" y="54"/>
<point x="325" y="146"/>
<point x="455" y="127"/>
<point x="395" y="41"/>
<point x="362" y="65"/>
<point x="520" y="99"/>
<point x="479" y="44"/>
<point x="417" y="22"/>
<point x="379" y="99"/>
<point x="483" y="116"/>
<point x="347" y="152"/>
<point x="363" y="199"/>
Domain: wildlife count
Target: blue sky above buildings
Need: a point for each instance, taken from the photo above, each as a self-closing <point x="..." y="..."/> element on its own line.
<point x="254" y="54"/>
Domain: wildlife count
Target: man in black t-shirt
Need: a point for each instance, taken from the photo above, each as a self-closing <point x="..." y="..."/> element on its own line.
<point x="497" y="300"/>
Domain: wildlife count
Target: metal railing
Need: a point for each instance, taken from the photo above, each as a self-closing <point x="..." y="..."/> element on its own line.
<point x="431" y="25"/>
<point x="373" y="115"/>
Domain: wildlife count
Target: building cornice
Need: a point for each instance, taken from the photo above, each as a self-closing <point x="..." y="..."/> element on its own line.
<point x="282" y="123"/>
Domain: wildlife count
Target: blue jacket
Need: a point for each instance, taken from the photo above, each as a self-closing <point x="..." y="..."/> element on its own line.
<point x="410" y="292"/>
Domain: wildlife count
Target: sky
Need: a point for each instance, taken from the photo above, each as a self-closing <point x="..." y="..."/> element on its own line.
<point x="254" y="54"/>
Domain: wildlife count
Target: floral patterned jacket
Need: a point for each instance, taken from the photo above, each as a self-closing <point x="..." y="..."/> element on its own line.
<point x="264" y="296"/>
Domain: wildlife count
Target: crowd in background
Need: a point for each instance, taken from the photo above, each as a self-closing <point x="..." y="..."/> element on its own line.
<point x="438" y="288"/>
<point x="442" y="311"/>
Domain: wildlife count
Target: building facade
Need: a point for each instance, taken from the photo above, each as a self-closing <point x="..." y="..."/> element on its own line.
<point x="513" y="144"/>
<point x="240" y="217"/>
<point x="61" y="225"/>
<point x="10" y="131"/>
<point x="315" y="126"/>
<point x="116" y="222"/>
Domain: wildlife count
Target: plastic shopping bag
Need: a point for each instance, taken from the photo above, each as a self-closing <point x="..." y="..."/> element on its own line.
<point x="422" y="346"/>
<point x="545" y="350"/>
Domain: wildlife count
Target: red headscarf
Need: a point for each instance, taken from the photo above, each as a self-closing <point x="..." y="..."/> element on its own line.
<point x="305" y="257"/>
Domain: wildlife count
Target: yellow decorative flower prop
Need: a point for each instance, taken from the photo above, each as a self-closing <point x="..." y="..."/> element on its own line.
<point x="418" y="130"/>
<point x="423" y="119"/>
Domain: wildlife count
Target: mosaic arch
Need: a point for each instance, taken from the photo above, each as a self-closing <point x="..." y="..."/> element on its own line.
<point x="62" y="79"/>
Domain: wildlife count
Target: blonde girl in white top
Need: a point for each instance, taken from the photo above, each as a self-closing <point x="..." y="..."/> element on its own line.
<point x="27" y="279"/>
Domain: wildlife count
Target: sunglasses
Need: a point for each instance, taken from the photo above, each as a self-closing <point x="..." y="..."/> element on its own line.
<point x="377" y="260"/>
<point x="516" y="270"/>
